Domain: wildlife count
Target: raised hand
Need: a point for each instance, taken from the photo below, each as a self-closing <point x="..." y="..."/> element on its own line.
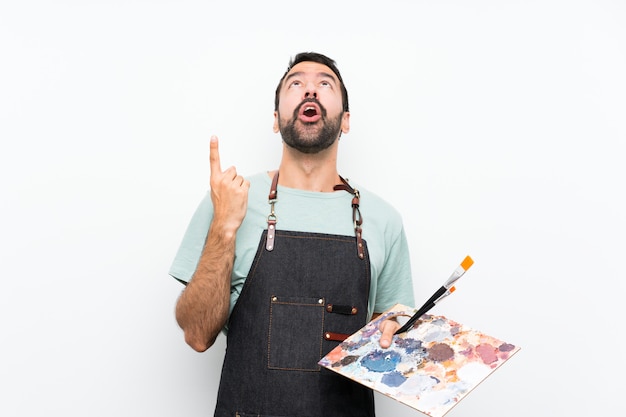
<point x="229" y="193"/>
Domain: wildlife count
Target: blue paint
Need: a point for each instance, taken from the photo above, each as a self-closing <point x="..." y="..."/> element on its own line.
<point x="381" y="360"/>
<point x="393" y="379"/>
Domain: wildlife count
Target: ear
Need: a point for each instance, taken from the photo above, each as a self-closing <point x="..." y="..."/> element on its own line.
<point x="345" y="122"/>
<point x="276" y="129"/>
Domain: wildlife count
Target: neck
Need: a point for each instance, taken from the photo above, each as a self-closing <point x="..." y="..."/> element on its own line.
<point x="309" y="172"/>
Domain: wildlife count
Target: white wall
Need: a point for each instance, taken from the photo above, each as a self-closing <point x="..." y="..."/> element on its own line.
<point x="493" y="126"/>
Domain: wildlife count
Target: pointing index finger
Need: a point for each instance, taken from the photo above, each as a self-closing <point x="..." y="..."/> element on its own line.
<point x="214" y="156"/>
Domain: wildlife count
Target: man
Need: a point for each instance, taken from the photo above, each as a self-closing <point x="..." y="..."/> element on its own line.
<point x="286" y="265"/>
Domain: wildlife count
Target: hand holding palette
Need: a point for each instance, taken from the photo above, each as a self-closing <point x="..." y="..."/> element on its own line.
<point x="430" y="368"/>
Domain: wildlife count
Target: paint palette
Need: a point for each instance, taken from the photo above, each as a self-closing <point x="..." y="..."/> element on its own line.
<point x="429" y="368"/>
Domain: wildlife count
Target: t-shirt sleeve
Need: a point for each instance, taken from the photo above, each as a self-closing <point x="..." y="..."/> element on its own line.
<point x="190" y="249"/>
<point x="395" y="284"/>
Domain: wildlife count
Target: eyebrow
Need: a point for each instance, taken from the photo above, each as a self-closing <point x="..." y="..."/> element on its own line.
<point x="319" y="74"/>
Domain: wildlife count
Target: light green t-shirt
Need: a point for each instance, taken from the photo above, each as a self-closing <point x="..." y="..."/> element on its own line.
<point x="315" y="212"/>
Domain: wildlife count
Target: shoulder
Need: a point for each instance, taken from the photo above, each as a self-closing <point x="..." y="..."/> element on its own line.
<point x="259" y="178"/>
<point x="381" y="208"/>
<point x="260" y="183"/>
<point x="382" y="223"/>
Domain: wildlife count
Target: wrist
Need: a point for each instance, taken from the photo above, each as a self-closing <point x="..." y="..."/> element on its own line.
<point x="223" y="230"/>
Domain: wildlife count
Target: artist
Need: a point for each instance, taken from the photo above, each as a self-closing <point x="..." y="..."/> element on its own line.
<point x="290" y="262"/>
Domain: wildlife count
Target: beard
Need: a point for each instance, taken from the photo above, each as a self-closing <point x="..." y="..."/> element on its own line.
<point x="310" y="137"/>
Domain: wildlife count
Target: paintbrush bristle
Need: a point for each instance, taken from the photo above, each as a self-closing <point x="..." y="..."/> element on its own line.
<point x="467" y="262"/>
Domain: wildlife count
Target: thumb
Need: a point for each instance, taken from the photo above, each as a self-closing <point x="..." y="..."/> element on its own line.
<point x="387" y="328"/>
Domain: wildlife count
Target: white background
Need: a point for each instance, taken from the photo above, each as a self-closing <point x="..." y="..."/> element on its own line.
<point x="495" y="127"/>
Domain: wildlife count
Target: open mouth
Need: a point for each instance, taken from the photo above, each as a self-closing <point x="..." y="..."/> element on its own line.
<point x="310" y="112"/>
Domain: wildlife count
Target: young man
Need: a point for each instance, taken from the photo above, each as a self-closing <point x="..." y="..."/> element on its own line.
<point x="290" y="262"/>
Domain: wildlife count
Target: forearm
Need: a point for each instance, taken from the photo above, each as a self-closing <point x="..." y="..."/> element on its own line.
<point x="202" y="309"/>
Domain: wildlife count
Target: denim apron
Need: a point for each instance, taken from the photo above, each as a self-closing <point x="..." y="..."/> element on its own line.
<point x="304" y="294"/>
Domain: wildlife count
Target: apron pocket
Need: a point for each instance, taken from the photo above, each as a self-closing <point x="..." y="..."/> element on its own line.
<point x="295" y="333"/>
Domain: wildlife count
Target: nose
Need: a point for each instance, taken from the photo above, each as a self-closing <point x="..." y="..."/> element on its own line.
<point x="310" y="91"/>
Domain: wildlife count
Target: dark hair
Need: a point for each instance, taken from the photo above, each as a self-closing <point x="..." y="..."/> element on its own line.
<point x="320" y="59"/>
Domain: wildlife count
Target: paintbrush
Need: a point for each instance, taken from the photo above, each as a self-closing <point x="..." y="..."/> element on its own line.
<point x="445" y="290"/>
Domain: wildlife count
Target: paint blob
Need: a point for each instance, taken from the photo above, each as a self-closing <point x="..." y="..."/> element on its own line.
<point x="381" y="360"/>
<point x="393" y="379"/>
<point x="440" y="352"/>
<point x="487" y="353"/>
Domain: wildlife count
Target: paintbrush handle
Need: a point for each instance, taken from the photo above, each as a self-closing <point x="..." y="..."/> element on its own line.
<point x="415" y="317"/>
<point x="458" y="272"/>
<point x="422" y="310"/>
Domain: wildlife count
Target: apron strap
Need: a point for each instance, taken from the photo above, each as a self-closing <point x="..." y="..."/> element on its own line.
<point x="271" y="218"/>
<point x="357" y="219"/>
